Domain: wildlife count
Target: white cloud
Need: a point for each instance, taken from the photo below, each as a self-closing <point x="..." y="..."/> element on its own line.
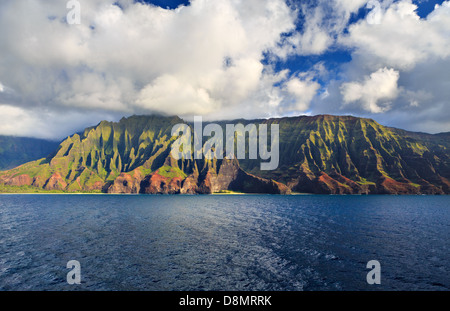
<point x="207" y="58"/>
<point x="17" y="121"/>
<point x="322" y="22"/>
<point x="302" y="93"/>
<point x="413" y="93"/>
<point x="350" y="6"/>
<point x="399" y="38"/>
<point x="138" y="58"/>
<point x="315" y="38"/>
<point x="168" y="93"/>
<point x="375" y="92"/>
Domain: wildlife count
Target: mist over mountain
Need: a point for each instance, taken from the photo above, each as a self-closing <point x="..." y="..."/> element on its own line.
<point x="320" y="154"/>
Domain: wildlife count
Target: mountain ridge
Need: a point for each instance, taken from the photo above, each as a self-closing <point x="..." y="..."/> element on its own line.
<point x="318" y="154"/>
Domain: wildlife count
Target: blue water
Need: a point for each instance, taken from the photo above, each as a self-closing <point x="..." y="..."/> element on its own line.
<point x="254" y="242"/>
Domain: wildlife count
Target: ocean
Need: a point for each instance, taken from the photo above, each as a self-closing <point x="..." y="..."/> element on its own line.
<point x="224" y="242"/>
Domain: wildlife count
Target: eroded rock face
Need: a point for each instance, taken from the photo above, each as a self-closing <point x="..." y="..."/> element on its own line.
<point x="213" y="181"/>
<point x="126" y="183"/>
<point x="334" y="183"/>
<point x="249" y="183"/>
<point x="157" y="184"/>
<point x="122" y="184"/>
<point x="55" y="182"/>
<point x="21" y="180"/>
<point x="226" y="175"/>
<point x="39" y="182"/>
<point x="389" y="186"/>
<point x="189" y="185"/>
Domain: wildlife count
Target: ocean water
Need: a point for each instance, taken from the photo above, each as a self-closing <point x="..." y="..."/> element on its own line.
<point x="224" y="242"/>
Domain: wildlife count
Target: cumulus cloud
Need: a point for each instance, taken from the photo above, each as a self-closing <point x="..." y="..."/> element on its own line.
<point x="168" y="93"/>
<point x="350" y="6"/>
<point x="302" y="92"/>
<point x="128" y="57"/>
<point x="398" y="73"/>
<point x="315" y="38"/>
<point x="322" y="22"/>
<point x="220" y="59"/>
<point x="398" y="37"/>
<point x="374" y="92"/>
<point x="17" y="121"/>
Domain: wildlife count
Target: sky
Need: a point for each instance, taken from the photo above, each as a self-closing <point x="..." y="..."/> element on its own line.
<point x="388" y="60"/>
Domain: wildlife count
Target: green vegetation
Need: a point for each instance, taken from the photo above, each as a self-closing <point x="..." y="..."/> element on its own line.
<point x="228" y="192"/>
<point x="171" y="172"/>
<point x="5" y="189"/>
<point x="317" y="154"/>
<point x="25" y="189"/>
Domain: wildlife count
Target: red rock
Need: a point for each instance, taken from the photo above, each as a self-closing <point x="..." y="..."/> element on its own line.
<point x="387" y="185"/>
<point x="125" y="183"/>
<point x="21" y="180"/>
<point x="189" y="185"/>
<point x="55" y="182"/>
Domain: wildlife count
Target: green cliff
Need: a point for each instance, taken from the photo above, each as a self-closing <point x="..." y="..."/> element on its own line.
<point x="321" y="154"/>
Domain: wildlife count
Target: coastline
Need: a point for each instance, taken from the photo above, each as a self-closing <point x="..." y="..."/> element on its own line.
<point x="210" y="194"/>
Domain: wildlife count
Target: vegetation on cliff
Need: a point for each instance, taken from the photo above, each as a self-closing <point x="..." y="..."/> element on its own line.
<point x="321" y="154"/>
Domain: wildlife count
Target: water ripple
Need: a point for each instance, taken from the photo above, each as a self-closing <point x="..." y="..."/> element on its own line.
<point x="256" y="242"/>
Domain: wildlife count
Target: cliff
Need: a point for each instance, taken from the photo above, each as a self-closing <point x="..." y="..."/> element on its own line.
<point x="321" y="154"/>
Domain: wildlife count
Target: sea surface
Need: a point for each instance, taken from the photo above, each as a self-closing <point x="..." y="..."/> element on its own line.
<point x="224" y="242"/>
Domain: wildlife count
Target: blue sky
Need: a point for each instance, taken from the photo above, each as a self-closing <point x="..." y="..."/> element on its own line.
<point x="383" y="59"/>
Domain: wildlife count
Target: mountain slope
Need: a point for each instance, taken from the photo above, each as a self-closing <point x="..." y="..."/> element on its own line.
<point x="343" y="154"/>
<point x="15" y="151"/>
<point x="321" y="154"/>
